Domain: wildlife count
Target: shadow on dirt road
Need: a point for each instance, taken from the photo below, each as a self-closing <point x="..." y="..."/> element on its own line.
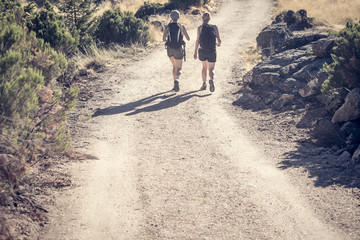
<point x="323" y="166"/>
<point x="167" y="99"/>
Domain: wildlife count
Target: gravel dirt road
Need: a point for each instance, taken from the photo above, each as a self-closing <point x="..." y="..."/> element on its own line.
<point x="184" y="165"/>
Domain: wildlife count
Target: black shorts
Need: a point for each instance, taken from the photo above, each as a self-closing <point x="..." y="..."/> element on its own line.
<point x="209" y="56"/>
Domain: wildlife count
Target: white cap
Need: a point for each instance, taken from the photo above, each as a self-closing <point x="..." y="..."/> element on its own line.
<point x="175" y="15"/>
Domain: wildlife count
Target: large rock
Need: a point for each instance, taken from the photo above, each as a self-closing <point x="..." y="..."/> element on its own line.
<point x="350" y="110"/>
<point x="282" y="103"/>
<point x="272" y="38"/>
<point x="296" y="65"/>
<point x="335" y="99"/>
<point x="303" y="39"/>
<point x="278" y="62"/>
<point x="246" y="100"/>
<point x="356" y="156"/>
<point x="326" y="132"/>
<point x="350" y="131"/>
<point x="267" y="79"/>
<point x="313" y="70"/>
<point x="294" y="20"/>
<point x="290" y="85"/>
<point x="323" y="47"/>
<point x="310" y="88"/>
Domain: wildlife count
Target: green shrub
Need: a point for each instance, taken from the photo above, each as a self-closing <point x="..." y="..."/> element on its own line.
<point x="52" y="64"/>
<point x="345" y="70"/>
<point x="115" y="26"/>
<point x="50" y="26"/>
<point x="149" y="9"/>
<point x="18" y="80"/>
<point x="185" y="4"/>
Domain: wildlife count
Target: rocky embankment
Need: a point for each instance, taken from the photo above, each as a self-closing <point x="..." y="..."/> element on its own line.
<point x="289" y="78"/>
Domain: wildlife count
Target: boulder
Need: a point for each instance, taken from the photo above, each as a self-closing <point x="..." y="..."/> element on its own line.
<point x="335" y="99"/>
<point x="310" y="89"/>
<point x="326" y="132"/>
<point x="287" y="57"/>
<point x="281" y="103"/>
<point x="350" y="110"/>
<point x="303" y="39"/>
<point x="290" y="85"/>
<point x="323" y="47"/>
<point x="272" y="38"/>
<point x="266" y="79"/>
<point x="296" y="65"/>
<point x="350" y="129"/>
<point x="246" y="100"/>
<point x="313" y="70"/>
<point x="356" y="156"/>
<point x="295" y="21"/>
<point x="344" y="159"/>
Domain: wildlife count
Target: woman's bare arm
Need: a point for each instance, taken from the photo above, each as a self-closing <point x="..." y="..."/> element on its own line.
<point x="165" y="34"/>
<point x="197" y="42"/>
<point x="185" y="33"/>
<point x="218" y="36"/>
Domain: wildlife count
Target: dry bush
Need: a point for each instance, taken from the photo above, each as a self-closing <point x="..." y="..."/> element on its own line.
<point x="334" y="13"/>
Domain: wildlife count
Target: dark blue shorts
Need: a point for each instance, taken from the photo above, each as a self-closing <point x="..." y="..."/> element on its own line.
<point x="209" y="56"/>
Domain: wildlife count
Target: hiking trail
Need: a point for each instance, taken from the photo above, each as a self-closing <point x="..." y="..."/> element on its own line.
<point x="181" y="165"/>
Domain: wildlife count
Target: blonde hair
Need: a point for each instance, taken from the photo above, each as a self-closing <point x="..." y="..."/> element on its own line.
<point x="206" y="17"/>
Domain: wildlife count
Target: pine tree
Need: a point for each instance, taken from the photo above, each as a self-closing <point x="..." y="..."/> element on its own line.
<point x="79" y="17"/>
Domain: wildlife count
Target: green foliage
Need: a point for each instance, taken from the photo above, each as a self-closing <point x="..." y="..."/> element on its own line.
<point x="115" y="26"/>
<point x="18" y="80"/>
<point x="52" y="63"/>
<point x="149" y="9"/>
<point x="345" y="70"/>
<point x="50" y="26"/>
<point x="79" y="19"/>
<point x="185" y="4"/>
<point x="27" y="63"/>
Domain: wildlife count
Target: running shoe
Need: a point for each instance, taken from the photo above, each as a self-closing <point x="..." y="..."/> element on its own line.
<point x="203" y="87"/>
<point x="176" y="86"/>
<point x="212" y="87"/>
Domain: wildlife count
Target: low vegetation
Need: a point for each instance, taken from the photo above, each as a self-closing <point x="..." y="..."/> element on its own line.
<point x="345" y="70"/>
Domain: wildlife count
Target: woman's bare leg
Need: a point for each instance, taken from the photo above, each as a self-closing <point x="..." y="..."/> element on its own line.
<point x="178" y="65"/>
<point x="211" y="66"/>
<point x="204" y="71"/>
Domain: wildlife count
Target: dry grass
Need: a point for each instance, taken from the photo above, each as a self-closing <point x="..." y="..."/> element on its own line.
<point x="251" y="56"/>
<point x="334" y="13"/>
<point x="102" y="57"/>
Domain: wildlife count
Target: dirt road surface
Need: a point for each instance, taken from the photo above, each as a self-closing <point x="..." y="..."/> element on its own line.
<point x="182" y="165"/>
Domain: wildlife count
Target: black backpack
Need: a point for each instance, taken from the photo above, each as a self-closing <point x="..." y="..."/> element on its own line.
<point x="175" y="36"/>
<point x="208" y="38"/>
